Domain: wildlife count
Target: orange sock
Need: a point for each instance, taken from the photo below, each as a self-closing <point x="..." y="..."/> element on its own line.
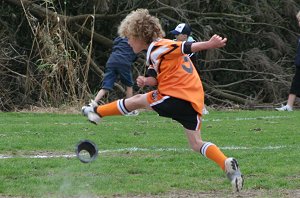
<point x="114" y="108"/>
<point x="213" y="152"/>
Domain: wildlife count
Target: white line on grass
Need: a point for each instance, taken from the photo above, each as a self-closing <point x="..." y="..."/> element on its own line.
<point x="243" y="119"/>
<point x="136" y="149"/>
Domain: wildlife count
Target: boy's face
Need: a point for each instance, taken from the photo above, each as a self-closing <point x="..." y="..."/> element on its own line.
<point x="137" y="44"/>
<point x="181" y="37"/>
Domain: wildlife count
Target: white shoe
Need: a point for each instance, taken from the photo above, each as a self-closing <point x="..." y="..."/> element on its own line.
<point x="89" y="111"/>
<point x="205" y="111"/>
<point x="284" y="108"/>
<point x="133" y="113"/>
<point x="234" y="174"/>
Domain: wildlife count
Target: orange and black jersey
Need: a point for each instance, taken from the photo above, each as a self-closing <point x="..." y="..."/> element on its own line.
<point x="176" y="74"/>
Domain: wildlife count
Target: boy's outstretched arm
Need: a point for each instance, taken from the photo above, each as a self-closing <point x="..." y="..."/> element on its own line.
<point x="215" y="41"/>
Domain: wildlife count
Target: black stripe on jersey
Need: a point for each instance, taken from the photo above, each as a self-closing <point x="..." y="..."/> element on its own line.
<point x="153" y="48"/>
<point x="162" y="57"/>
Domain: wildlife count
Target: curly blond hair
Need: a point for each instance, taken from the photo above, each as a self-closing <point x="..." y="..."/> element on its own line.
<point x="140" y="24"/>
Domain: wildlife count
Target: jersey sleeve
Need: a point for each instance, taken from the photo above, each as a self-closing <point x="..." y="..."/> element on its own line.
<point x="151" y="72"/>
<point x="177" y="48"/>
<point x="187" y="47"/>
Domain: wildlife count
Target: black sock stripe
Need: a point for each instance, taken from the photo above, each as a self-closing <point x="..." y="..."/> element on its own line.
<point x="95" y="110"/>
<point x="201" y="150"/>
<point x="122" y="107"/>
<point x="125" y="106"/>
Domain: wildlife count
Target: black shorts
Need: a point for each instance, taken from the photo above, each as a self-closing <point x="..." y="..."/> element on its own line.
<point x="295" y="87"/>
<point x="179" y="110"/>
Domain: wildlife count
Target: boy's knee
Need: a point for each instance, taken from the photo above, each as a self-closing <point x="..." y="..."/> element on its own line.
<point x="195" y="146"/>
<point x="138" y="100"/>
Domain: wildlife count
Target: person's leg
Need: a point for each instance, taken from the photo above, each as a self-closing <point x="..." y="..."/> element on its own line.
<point x="294" y="91"/>
<point x="205" y="111"/>
<point x="183" y="112"/>
<point x="126" y="78"/>
<point x="108" y="82"/>
<point x="207" y="149"/>
<point x="100" y="94"/>
<point x="291" y="100"/>
<point x="212" y="152"/>
<point x="118" y="107"/>
<point x="129" y="92"/>
<point x="289" y="105"/>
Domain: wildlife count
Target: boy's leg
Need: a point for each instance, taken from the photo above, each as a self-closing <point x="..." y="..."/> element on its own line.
<point x="129" y="93"/>
<point x="211" y="151"/>
<point x="207" y="149"/>
<point x="118" y="107"/>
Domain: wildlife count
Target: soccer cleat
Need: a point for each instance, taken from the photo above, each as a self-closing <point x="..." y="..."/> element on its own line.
<point x="133" y="113"/>
<point x="205" y="111"/>
<point x="94" y="118"/>
<point x="89" y="111"/>
<point x="234" y="174"/>
<point x="284" y="108"/>
<point x="85" y="110"/>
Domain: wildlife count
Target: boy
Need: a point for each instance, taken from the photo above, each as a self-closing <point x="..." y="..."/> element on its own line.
<point x="179" y="93"/>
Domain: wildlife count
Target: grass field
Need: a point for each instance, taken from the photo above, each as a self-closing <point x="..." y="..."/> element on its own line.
<point x="147" y="156"/>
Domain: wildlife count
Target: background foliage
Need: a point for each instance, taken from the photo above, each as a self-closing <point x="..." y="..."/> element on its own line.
<point x="53" y="52"/>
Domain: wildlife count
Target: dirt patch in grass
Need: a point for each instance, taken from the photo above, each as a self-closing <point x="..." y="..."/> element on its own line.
<point x="61" y="110"/>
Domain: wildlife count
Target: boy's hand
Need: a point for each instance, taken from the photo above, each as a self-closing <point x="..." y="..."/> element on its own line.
<point x="217" y="41"/>
<point x="141" y="81"/>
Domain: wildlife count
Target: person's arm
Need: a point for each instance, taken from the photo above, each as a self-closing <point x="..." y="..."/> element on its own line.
<point x="215" y="41"/>
<point x="149" y="79"/>
<point x="146" y="81"/>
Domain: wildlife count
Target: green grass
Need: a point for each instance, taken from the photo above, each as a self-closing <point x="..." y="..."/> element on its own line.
<point x="266" y="144"/>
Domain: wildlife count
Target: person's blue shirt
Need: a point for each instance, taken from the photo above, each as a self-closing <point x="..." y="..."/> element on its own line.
<point x="122" y="54"/>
